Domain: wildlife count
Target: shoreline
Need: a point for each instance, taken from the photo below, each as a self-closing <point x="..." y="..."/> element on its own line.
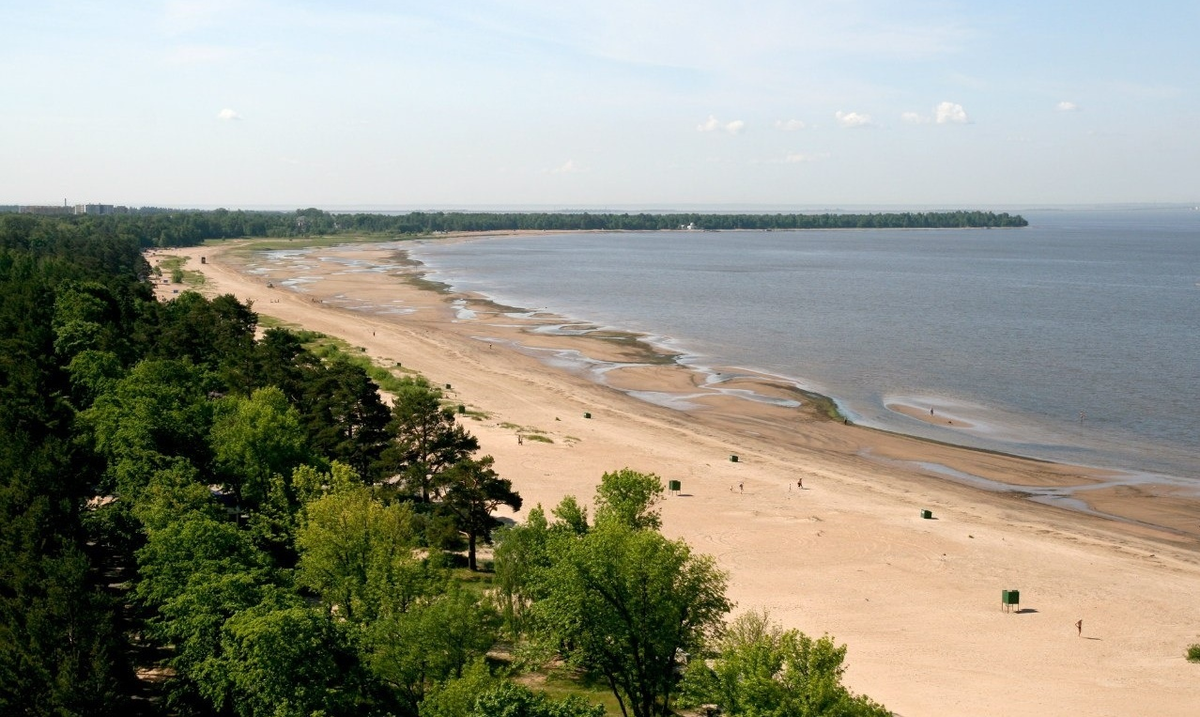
<point x="1063" y="484"/>
<point x="849" y="555"/>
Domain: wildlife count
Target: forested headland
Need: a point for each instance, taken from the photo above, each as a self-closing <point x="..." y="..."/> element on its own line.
<point x="167" y="228"/>
<point x="198" y="520"/>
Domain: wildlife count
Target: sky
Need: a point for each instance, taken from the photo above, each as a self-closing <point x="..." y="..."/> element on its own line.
<point x="614" y="104"/>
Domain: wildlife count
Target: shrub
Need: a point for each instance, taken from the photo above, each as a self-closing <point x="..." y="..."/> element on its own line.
<point x="1193" y="652"/>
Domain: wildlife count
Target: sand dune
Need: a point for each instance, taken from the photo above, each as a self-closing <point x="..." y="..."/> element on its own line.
<point x="917" y="601"/>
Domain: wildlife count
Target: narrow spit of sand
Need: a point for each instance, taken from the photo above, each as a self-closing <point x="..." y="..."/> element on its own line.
<point x="917" y="601"/>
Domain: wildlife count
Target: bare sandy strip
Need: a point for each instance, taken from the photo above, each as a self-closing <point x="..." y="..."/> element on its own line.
<point x="928" y="416"/>
<point x="917" y="601"/>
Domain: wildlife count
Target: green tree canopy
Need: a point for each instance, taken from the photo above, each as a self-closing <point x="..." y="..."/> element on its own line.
<point x="290" y="662"/>
<point x="254" y="439"/>
<point x="629" y="497"/>
<point x="426" y="440"/>
<point x="358" y="555"/>
<point x="762" y="670"/>
<point x="433" y="641"/>
<point x="474" y="491"/>
<point x="624" y="603"/>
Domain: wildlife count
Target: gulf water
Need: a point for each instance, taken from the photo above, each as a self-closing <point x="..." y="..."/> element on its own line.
<point x="1075" y="339"/>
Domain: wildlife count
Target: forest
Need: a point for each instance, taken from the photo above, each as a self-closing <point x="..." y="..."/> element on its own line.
<point x="168" y="228"/>
<point x="199" y="518"/>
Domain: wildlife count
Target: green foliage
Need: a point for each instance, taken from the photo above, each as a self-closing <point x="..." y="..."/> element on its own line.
<point x="456" y="697"/>
<point x="628" y="497"/>
<point x="474" y="491"/>
<point x="1193" y="652"/>
<point x="509" y="699"/>
<point x="623" y="602"/>
<point x="433" y="641"/>
<point x="286" y="662"/>
<point x="193" y="548"/>
<point x="345" y="418"/>
<point x="764" y="671"/>
<point x="522" y="552"/>
<point x="254" y="440"/>
<point x="572" y="515"/>
<point x="159" y="411"/>
<point x="358" y="555"/>
<point x="426" y="440"/>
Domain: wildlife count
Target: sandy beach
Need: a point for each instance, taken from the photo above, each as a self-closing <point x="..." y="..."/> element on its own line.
<point x="916" y="600"/>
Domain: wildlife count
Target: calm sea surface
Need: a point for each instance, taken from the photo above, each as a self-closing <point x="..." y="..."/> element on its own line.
<point x="1017" y="332"/>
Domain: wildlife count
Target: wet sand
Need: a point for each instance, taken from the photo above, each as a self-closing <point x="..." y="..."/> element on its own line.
<point x="917" y="601"/>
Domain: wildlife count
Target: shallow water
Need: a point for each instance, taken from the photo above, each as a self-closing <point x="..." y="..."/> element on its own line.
<point x="1016" y="332"/>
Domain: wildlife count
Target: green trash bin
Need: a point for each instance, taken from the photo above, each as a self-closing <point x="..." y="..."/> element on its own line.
<point x="733" y="458"/>
<point x="673" y="485"/>
<point x="927" y="514"/>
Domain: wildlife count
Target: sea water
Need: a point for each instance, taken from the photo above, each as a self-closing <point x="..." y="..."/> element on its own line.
<point x="1075" y="339"/>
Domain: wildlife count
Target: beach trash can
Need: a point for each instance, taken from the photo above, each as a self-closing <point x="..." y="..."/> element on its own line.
<point x="462" y="409"/>
<point x="587" y="414"/>
<point x="447" y="387"/>
<point x="733" y="458"/>
<point x="927" y="514"/>
<point x="673" y="485"/>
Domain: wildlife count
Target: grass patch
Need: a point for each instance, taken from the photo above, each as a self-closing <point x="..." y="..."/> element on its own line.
<point x="173" y="266"/>
<point x="1193" y="653"/>
<point x="331" y="348"/>
<point x="272" y="243"/>
<point x="539" y="438"/>
<point x="563" y="682"/>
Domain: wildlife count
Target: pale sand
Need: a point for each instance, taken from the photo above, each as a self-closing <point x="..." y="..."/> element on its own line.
<point x="917" y="601"/>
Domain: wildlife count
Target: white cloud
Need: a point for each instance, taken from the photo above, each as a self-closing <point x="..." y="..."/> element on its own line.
<point x="950" y="113"/>
<point x="791" y="125"/>
<point x="1067" y="106"/>
<point x="914" y="118"/>
<point x="853" y="119"/>
<point x="228" y="114"/>
<point x="713" y="125"/>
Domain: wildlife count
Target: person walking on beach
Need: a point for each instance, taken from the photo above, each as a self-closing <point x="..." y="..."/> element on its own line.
<point x="1079" y="627"/>
<point x="741" y="487"/>
<point x="800" y="483"/>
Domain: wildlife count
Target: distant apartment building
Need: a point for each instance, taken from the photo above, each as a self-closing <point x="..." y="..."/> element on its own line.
<point x="45" y="209"/>
<point x="98" y="209"/>
<point x="54" y="209"/>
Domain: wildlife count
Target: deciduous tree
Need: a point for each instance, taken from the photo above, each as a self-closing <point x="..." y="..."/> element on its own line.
<point x="762" y="670"/>
<point x="624" y="603"/>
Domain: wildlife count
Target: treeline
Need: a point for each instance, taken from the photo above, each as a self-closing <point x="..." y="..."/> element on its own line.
<point x="420" y="222"/>
<point x="197" y="520"/>
<point x="166" y="228"/>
